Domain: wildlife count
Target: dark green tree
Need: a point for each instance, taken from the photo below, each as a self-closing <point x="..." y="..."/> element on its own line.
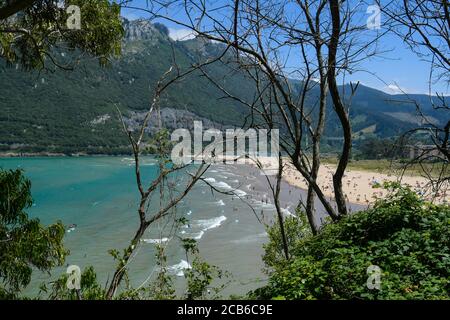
<point x="31" y="31"/>
<point x="24" y="242"/>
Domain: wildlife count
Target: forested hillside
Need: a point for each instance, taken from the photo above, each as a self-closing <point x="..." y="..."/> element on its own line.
<point x="73" y="111"/>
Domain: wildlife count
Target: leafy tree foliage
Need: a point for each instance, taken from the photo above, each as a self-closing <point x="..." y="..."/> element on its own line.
<point x="201" y="276"/>
<point x="162" y="287"/>
<point x="296" y="229"/>
<point x="30" y="36"/>
<point x="24" y="242"/>
<point x="403" y="235"/>
<point x="91" y="289"/>
<point x="375" y="148"/>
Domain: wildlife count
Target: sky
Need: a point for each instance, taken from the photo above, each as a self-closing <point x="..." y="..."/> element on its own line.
<point x="399" y="70"/>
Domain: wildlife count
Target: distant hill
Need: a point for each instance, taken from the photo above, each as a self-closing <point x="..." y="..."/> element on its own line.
<point x="73" y="111"/>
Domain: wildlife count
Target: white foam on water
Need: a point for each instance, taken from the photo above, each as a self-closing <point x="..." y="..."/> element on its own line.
<point x="128" y="161"/>
<point x="148" y="164"/>
<point x="204" y="225"/>
<point x="196" y="236"/>
<point x="208" y="224"/>
<point x="287" y="213"/>
<point x="240" y="193"/>
<point x="178" y="269"/>
<point x="228" y="173"/>
<point x="225" y="187"/>
<point x="263" y="205"/>
<point x="220" y="203"/>
<point x="156" y="241"/>
<point x="250" y="238"/>
<point x="144" y="162"/>
<point x="189" y="212"/>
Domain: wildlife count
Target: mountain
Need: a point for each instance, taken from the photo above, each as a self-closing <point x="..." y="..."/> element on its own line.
<point x="71" y="111"/>
<point x="75" y="111"/>
<point x="390" y="115"/>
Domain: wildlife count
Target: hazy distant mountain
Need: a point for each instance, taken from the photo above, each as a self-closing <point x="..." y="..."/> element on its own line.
<point x="74" y="111"/>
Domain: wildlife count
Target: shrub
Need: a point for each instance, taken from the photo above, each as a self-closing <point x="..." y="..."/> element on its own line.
<point x="296" y="229"/>
<point x="406" y="237"/>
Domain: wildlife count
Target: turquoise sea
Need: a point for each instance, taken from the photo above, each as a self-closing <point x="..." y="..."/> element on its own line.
<point x="99" y="195"/>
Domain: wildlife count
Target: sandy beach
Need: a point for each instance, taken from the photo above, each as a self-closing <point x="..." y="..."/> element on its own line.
<point x="360" y="187"/>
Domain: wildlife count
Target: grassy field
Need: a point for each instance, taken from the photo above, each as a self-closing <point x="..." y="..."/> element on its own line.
<point x="394" y="167"/>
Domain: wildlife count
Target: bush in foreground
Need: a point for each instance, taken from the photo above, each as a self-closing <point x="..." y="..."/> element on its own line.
<point x="407" y="238"/>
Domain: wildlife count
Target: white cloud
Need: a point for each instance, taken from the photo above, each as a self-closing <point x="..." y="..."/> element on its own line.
<point x="181" y="34"/>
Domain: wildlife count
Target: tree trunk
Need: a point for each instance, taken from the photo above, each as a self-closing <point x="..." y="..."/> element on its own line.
<point x="339" y="108"/>
<point x="310" y="206"/>
<point x="120" y="271"/>
<point x="278" y="207"/>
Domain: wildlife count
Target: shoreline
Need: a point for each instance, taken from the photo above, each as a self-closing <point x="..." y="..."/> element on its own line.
<point x="360" y="187"/>
<point x="7" y="155"/>
<point x="290" y="194"/>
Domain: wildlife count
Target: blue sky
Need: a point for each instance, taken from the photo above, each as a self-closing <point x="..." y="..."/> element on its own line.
<point x="398" y="70"/>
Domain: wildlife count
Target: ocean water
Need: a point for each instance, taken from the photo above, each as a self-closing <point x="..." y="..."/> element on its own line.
<point x="99" y="195"/>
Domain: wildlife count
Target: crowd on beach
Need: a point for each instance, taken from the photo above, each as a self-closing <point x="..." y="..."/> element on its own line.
<point x="360" y="187"/>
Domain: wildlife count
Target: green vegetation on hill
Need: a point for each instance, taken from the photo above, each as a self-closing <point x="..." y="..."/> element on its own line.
<point x="56" y="111"/>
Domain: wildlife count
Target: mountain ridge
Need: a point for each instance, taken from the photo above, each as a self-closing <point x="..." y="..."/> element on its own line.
<point x="56" y="111"/>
